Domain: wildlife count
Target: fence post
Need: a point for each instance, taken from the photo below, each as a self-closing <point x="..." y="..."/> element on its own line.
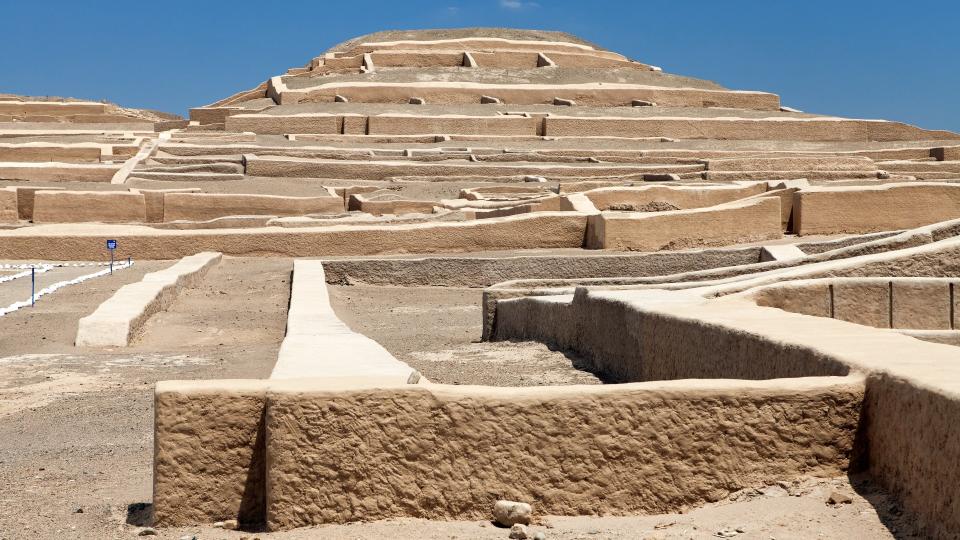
<point x="33" y="285"/>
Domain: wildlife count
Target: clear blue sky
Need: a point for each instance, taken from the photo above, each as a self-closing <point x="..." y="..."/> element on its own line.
<point x="861" y="58"/>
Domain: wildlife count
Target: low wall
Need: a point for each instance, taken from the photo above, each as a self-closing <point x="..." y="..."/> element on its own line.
<point x="121" y="317"/>
<point x="907" y="303"/>
<point x="9" y="212"/>
<point x="792" y="163"/>
<point x="443" y="453"/>
<point x="89" y="206"/>
<point x="911" y="405"/>
<point x="40" y="152"/>
<point x="683" y="197"/>
<point x="398" y="124"/>
<point x="267" y="124"/>
<point x="58" y="172"/>
<point x="25" y="197"/>
<point x="74" y="242"/>
<point x="382" y="170"/>
<point x="51" y="108"/>
<point x="396" y="207"/>
<point x="731" y="223"/>
<point x="208" y="460"/>
<point x="486" y="271"/>
<point x="864" y="209"/>
<point x="776" y="128"/>
<point x="319" y="344"/>
<point x="206" y="206"/>
<point x="591" y="94"/>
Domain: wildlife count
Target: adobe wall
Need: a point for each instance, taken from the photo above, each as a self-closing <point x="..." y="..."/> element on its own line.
<point x="683" y="197"/>
<point x="40" y="152"/>
<point x="400" y="58"/>
<point x="863" y="209"/>
<point x="73" y="242"/>
<point x="206" y="206"/>
<point x="52" y="108"/>
<point x="58" y="172"/>
<point x="120" y="318"/>
<point x="381" y="170"/>
<point x="9" y="212"/>
<point x="208" y="455"/>
<point x="911" y="397"/>
<point x="396" y="207"/>
<point x="907" y="303"/>
<point x="731" y="223"/>
<point x="89" y="206"/>
<point x="482" y="43"/>
<point x="605" y="95"/>
<point x="25" y="197"/>
<point x="154" y="199"/>
<point x="279" y="125"/>
<point x="318" y="344"/>
<point x="483" y="272"/>
<point x="792" y="163"/>
<point x="397" y="124"/>
<point x="914" y="448"/>
<point x="797" y="129"/>
<point x="463" y="463"/>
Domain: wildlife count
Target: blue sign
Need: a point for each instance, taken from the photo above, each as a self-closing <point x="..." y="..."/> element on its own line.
<point x="111" y="245"/>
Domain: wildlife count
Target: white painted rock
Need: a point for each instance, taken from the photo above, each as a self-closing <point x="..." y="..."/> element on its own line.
<point x="509" y="513"/>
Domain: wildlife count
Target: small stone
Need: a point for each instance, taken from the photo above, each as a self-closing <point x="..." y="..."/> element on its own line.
<point x="564" y="102"/>
<point x="838" y="498"/>
<point x="540" y="536"/>
<point x="643" y="103"/>
<point x="147" y="532"/>
<point x="741" y="530"/>
<point x="725" y="533"/>
<point x="518" y="532"/>
<point x="218" y="525"/>
<point x="509" y="513"/>
<point x="231" y="524"/>
<point x="78" y="511"/>
<point x="188" y="537"/>
<point x="417" y="101"/>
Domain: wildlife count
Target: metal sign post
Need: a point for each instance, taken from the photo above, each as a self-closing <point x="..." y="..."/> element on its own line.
<point x="111" y="245"/>
<point x="33" y="286"/>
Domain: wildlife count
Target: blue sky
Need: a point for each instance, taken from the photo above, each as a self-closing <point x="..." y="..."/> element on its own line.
<point x="859" y="58"/>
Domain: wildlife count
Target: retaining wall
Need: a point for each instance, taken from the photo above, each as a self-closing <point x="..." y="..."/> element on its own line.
<point x="380" y="170"/>
<point x="8" y="206"/>
<point x="798" y="129"/>
<point x="864" y="209"/>
<point x="58" y="172"/>
<point x="683" y="197"/>
<point x="596" y="449"/>
<point x="912" y="388"/>
<point x="89" y="206"/>
<point x="731" y="223"/>
<point x="206" y="206"/>
<point x="605" y="95"/>
<point x="907" y="303"/>
<point x="74" y="242"/>
<point x="486" y="271"/>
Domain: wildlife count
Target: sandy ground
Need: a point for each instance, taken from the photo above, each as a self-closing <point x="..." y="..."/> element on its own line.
<point x="76" y="424"/>
<point x="437" y="331"/>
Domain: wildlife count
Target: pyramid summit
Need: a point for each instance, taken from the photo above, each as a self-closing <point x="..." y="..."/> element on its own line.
<point x="473" y="274"/>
